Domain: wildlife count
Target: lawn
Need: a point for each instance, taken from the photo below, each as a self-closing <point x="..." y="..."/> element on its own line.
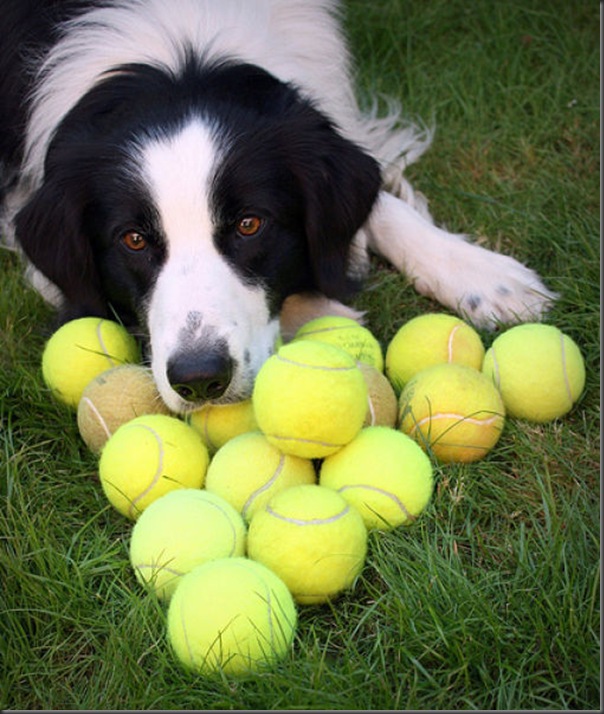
<point x="491" y="600"/>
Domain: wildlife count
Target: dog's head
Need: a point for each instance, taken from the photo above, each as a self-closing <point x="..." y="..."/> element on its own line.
<point x="193" y="206"/>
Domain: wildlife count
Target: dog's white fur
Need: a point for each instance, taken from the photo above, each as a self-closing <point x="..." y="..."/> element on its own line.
<point x="299" y="41"/>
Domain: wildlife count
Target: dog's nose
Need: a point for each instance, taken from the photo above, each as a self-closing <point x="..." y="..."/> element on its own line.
<point x="200" y="377"/>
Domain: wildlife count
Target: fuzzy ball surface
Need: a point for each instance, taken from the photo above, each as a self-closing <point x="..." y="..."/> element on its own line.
<point x="114" y="398"/>
<point x="310" y="399"/>
<point x="426" y="340"/>
<point x="231" y="615"/>
<point x="313" y="539"/>
<point x="218" y="423"/>
<point x="179" y="531"/>
<point x="248" y="471"/>
<point x="384" y="474"/>
<point x="538" y="369"/>
<point x="148" y="457"/>
<point x="79" y="351"/>
<point x="382" y="404"/>
<point x="346" y="333"/>
<point x="452" y="410"/>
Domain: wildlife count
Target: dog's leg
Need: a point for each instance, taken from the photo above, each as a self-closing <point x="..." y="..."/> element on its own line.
<point x="485" y="287"/>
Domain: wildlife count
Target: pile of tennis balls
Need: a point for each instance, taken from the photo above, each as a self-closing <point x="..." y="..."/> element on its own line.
<point x="244" y="512"/>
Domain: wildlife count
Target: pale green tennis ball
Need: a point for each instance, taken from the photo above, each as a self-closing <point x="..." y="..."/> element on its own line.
<point x="219" y="423"/>
<point x="231" y="615"/>
<point x="312" y="538"/>
<point x="310" y="399"/>
<point x="80" y="350"/>
<point x="538" y="369"/>
<point x="248" y="470"/>
<point x="148" y="457"/>
<point x="180" y="530"/>
<point x="430" y="339"/>
<point x="384" y="474"/>
<point x="114" y="398"/>
<point x="453" y="410"/>
<point x="346" y="333"/>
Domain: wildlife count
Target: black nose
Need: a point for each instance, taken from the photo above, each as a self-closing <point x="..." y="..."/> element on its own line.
<point x="200" y="377"/>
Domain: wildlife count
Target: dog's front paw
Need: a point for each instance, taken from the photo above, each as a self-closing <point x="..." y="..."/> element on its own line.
<point x="489" y="289"/>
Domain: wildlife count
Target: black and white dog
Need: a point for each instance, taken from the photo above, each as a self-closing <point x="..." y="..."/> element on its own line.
<point x="192" y="166"/>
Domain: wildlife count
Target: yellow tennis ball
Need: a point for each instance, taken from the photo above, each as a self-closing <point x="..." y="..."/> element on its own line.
<point x="312" y="538"/>
<point x="310" y="399"/>
<point x="113" y="398"/>
<point x="384" y="474"/>
<point x="346" y="333"/>
<point x="538" y="369"/>
<point x="148" y="457"/>
<point x="80" y="350"/>
<point x="248" y="470"/>
<point x="426" y="340"/>
<point x="382" y="404"/>
<point x="453" y="410"/>
<point x="179" y="531"/>
<point x="231" y="615"/>
<point x="218" y="423"/>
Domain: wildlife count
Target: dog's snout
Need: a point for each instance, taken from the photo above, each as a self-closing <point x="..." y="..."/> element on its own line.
<point x="200" y="377"/>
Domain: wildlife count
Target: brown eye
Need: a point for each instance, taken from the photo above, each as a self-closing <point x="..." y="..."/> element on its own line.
<point x="249" y="226"/>
<point x="134" y="241"/>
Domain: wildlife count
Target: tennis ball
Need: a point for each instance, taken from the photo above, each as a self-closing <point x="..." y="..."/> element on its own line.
<point x="79" y="351"/>
<point x="382" y="404"/>
<point x="218" y="423"/>
<point x="248" y="470"/>
<point x="453" y="410"/>
<point x="430" y="339"/>
<point x="231" y="615"/>
<point x="384" y="474"/>
<point x="147" y="457"/>
<point x="113" y="398"/>
<point x="310" y="399"/>
<point x="312" y="539"/>
<point x="180" y="530"/>
<point x="346" y="333"/>
<point x="538" y="369"/>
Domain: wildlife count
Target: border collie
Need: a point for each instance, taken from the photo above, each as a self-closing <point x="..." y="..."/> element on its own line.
<point x="199" y="169"/>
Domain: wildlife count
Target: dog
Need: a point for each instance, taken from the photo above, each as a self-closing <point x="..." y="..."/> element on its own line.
<point x="201" y="171"/>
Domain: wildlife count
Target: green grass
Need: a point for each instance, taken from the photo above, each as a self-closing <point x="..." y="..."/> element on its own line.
<point x="491" y="600"/>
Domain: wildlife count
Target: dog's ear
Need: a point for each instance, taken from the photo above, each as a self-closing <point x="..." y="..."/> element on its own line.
<point x="340" y="184"/>
<point x="50" y="231"/>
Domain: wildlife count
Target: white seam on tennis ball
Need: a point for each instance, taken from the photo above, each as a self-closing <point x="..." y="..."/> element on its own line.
<point x="324" y="368"/>
<point x="459" y="417"/>
<point x="319" y="330"/>
<point x="98" y="415"/>
<point x="265" y="486"/>
<point x="311" y="521"/>
<point x="160" y="465"/>
<point x="450" y="343"/>
<point x="382" y="491"/>
<point x="299" y="440"/>
<point x="564" y="370"/>
<point x="226" y="515"/>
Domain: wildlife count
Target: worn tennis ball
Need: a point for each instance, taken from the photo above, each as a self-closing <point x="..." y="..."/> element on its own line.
<point x="538" y="369"/>
<point x="312" y="538"/>
<point x="454" y="411"/>
<point x="346" y="333"/>
<point x="218" y="423"/>
<point x="80" y="350"/>
<point x="426" y="340"/>
<point x="384" y="474"/>
<point x="148" y="457"/>
<point x="113" y="398"/>
<point x="310" y="399"/>
<point x="180" y="530"/>
<point x="248" y="470"/>
<point x="382" y="404"/>
<point x="231" y="615"/>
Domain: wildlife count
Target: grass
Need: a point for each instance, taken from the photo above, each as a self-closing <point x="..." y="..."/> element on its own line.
<point x="492" y="599"/>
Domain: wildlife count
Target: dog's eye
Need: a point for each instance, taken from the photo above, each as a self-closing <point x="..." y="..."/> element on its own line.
<point x="249" y="226"/>
<point x="134" y="241"/>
